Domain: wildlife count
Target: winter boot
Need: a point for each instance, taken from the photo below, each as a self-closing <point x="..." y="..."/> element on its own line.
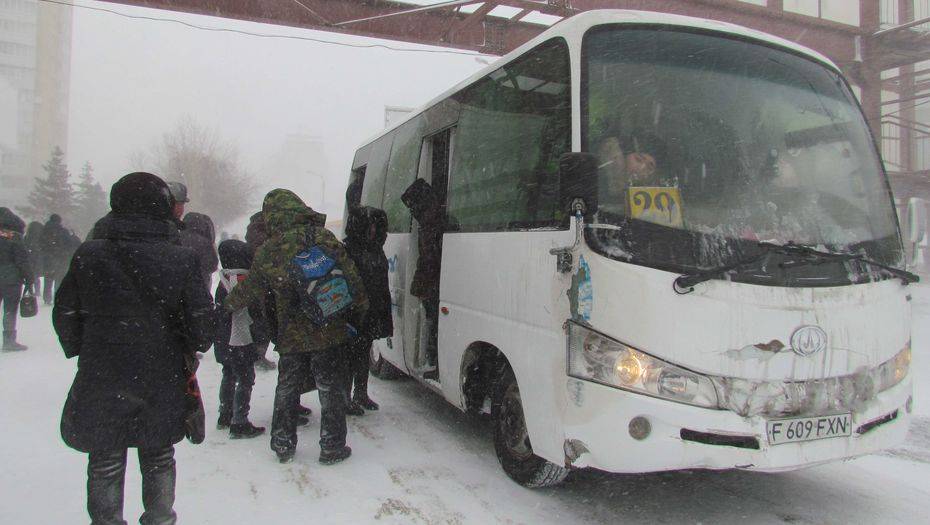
<point x="365" y="402"/>
<point x="300" y="421"/>
<point x="285" y="456"/>
<point x="10" y="344"/>
<point x="354" y="409"/>
<point x="302" y="410"/>
<point x="223" y="421"/>
<point x="329" y="457"/>
<point x="245" y="431"/>
<point x="265" y="364"/>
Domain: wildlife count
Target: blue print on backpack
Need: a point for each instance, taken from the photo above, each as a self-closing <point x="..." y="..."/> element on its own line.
<point x="314" y="263"/>
<point x="324" y="292"/>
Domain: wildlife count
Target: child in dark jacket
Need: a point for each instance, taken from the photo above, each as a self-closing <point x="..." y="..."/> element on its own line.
<point x="366" y="231"/>
<point x="234" y="344"/>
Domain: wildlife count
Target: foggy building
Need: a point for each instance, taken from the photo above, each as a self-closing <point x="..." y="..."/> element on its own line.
<point x="35" y="71"/>
<point x="303" y="158"/>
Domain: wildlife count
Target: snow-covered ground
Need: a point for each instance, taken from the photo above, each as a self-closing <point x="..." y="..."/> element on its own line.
<point x="420" y="460"/>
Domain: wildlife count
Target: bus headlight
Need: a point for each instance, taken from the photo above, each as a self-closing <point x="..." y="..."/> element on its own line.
<point x="595" y="357"/>
<point x="892" y="371"/>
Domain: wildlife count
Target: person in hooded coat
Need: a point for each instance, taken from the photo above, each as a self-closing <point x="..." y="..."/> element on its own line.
<point x="15" y="271"/>
<point x="366" y="232"/>
<point x="234" y="344"/>
<point x="255" y="232"/>
<point x="58" y="244"/>
<point x="33" y="240"/>
<point x="199" y="235"/>
<point x="133" y="310"/>
<point x="255" y="236"/>
<point x="304" y="347"/>
<point x="425" y="207"/>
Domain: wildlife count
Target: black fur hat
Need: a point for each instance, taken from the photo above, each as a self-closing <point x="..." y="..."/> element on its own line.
<point x="141" y="193"/>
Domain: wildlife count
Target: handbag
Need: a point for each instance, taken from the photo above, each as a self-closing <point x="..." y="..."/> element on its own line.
<point x="28" y="305"/>
<point x="195" y="424"/>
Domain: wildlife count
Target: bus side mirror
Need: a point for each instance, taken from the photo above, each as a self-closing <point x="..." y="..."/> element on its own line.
<point x="578" y="183"/>
<point x="916" y="220"/>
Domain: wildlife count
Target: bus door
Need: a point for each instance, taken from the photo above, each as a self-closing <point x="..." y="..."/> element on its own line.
<point x="418" y="324"/>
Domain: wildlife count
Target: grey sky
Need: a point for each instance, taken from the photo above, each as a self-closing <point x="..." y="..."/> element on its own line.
<point x="132" y="80"/>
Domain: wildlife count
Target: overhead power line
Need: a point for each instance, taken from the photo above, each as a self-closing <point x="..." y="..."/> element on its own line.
<point x="262" y="35"/>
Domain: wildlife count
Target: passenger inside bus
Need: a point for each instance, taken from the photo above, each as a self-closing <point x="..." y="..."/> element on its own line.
<point x="627" y="161"/>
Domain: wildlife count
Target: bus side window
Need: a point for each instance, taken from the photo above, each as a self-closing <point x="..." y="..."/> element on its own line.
<point x="514" y="125"/>
<point x="401" y="172"/>
<point x="376" y="172"/>
<point x="354" y="191"/>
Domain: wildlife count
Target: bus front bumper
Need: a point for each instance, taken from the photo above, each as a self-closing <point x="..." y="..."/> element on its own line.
<point x="598" y="433"/>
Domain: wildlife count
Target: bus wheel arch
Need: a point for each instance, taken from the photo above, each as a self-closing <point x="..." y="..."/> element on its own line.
<point x="380" y="367"/>
<point x="482" y="364"/>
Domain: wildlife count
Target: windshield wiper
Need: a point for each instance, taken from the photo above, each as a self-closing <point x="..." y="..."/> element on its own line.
<point x="814" y="256"/>
<point x="685" y="283"/>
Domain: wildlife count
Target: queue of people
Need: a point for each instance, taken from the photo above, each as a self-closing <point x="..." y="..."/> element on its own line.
<point x="135" y="308"/>
<point x="27" y="255"/>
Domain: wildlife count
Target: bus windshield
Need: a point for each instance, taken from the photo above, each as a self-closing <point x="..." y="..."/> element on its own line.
<point x="709" y="145"/>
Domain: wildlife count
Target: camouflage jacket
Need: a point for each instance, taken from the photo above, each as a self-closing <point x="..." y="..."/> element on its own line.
<point x="289" y="222"/>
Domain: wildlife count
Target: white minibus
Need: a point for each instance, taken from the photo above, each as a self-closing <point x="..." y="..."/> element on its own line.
<point x="666" y="243"/>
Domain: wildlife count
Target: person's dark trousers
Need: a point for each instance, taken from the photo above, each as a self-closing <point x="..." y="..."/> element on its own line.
<point x="357" y="368"/>
<point x="106" y="472"/>
<point x="237" y="382"/>
<point x="48" y="291"/>
<point x="10" y="295"/>
<point x="328" y="371"/>
<point x="431" y="305"/>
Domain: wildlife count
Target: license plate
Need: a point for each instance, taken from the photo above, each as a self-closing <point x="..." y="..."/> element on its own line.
<point x="808" y="428"/>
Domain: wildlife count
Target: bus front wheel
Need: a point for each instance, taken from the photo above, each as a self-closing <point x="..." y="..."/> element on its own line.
<point x="512" y="442"/>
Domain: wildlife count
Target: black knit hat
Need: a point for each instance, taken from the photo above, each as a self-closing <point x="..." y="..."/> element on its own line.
<point x="141" y="193"/>
<point x="235" y="255"/>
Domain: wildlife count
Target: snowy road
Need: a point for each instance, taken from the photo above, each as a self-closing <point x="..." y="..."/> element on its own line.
<point x="419" y="460"/>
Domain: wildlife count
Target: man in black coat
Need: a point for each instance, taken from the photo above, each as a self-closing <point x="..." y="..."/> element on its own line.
<point x="15" y="270"/>
<point x="33" y="241"/>
<point x="199" y="235"/>
<point x="58" y="244"/>
<point x="366" y="232"/>
<point x="133" y="309"/>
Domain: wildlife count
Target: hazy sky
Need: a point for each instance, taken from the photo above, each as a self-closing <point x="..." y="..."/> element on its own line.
<point x="132" y="80"/>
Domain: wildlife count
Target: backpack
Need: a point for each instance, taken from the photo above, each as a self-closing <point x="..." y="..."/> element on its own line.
<point x="323" y="290"/>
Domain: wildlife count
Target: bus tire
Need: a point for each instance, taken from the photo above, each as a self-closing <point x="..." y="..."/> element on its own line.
<point x="511" y="441"/>
<point x="379" y="367"/>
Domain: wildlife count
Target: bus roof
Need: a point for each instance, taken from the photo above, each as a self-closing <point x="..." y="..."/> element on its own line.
<point x="577" y="25"/>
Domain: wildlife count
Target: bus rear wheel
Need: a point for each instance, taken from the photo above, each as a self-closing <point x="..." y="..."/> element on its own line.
<point x="379" y="367"/>
<point x="512" y="442"/>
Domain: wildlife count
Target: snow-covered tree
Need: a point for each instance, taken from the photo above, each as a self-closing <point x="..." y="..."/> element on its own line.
<point x="195" y="155"/>
<point x="90" y="200"/>
<point x="52" y="193"/>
